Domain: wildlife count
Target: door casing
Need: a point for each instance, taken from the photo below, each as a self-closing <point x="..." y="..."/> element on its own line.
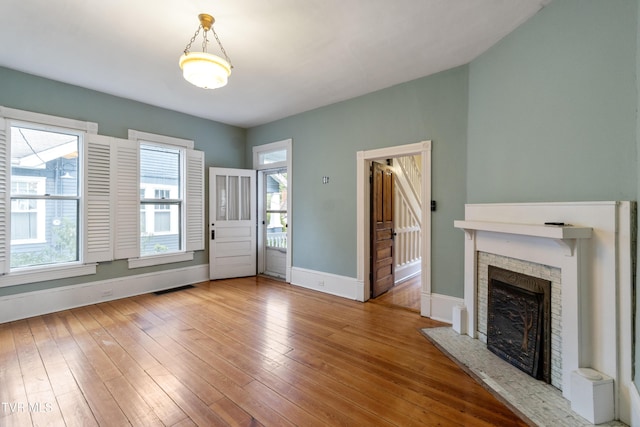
<point x="265" y="148"/>
<point x="364" y="159"/>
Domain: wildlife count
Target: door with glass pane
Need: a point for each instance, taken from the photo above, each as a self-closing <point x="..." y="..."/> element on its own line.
<point x="275" y="222"/>
<point x="232" y="223"/>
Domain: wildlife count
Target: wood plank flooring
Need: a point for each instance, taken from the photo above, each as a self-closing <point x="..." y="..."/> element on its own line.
<point x="241" y="352"/>
<point x="403" y="295"/>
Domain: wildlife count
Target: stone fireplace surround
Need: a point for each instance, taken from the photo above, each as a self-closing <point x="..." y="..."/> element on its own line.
<point x="593" y="256"/>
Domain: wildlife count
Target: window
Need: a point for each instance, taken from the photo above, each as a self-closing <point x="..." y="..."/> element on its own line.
<point x="167" y="219"/>
<point x="71" y="198"/>
<point x="161" y="181"/>
<point x="45" y="196"/>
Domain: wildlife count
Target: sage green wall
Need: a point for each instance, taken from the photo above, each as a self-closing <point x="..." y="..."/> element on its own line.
<point x="223" y="144"/>
<point x="552" y="108"/>
<point x="325" y="142"/>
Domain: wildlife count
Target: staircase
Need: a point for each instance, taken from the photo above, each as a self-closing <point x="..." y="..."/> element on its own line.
<point x="407" y="214"/>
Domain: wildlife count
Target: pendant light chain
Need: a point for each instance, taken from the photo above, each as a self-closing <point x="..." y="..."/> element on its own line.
<point x="221" y="48"/>
<point x="205" y="41"/>
<point x="186" y="49"/>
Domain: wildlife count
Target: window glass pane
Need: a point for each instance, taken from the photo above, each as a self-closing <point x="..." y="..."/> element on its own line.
<point x="162" y="221"/>
<point x="276" y="187"/>
<point x="49" y="235"/>
<point x="276" y="203"/>
<point x="245" y="202"/>
<point x="163" y="230"/>
<point x="277" y="229"/>
<point x="24" y="225"/>
<point x="44" y="163"/>
<point x="221" y="192"/>
<point x="160" y="180"/>
<point x="160" y="167"/>
<point x="272" y="157"/>
<point x="51" y="156"/>
<point x="232" y="194"/>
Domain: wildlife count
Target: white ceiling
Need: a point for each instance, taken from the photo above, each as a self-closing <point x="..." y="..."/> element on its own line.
<point x="289" y="56"/>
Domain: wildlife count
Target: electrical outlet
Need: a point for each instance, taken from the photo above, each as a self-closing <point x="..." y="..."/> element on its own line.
<point x="107" y="293"/>
<point x="320" y="283"/>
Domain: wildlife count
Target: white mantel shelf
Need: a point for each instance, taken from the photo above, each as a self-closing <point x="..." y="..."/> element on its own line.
<point x="566" y="235"/>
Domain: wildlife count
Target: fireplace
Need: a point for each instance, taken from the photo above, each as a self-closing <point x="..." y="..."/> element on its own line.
<point x="589" y="247"/>
<point x="519" y="321"/>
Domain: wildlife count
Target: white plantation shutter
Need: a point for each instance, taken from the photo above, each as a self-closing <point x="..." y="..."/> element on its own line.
<point x="194" y="200"/>
<point x="98" y="224"/>
<point x="5" y="170"/>
<point x="127" y="206"/>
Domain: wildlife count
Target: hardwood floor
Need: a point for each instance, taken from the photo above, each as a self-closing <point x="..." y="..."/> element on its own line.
<point x="247" y="352"/>
<point x="403" y="295"/>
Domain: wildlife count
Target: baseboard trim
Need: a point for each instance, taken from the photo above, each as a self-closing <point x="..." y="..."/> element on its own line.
<point x="29" y="304"/>
<point x="634" y="398"/>
<point x="407" y="271"/>
<point x="342" y="286"/>
<point x="439" y="307"/>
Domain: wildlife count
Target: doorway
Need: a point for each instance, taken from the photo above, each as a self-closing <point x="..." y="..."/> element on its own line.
<point x="275" y="176"/>
<point x="364" y="159"/>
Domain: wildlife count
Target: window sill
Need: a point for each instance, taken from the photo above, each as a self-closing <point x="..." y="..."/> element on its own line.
<point x="46" y="274"/>
<point x="160" y="259"/>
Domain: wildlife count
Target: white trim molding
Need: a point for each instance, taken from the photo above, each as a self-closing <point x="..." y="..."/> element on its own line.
<point x="635" y="405"/>
<point x="47" y="119"/>
<point x="52" y="273"/>
<point x="285" y="144"/>
<point x="333" y="284"/>
<point x="363" y="160"/>
<point x="439" y="307"/>
<point x="160" y="259"/>
<point x="29" y="304"/>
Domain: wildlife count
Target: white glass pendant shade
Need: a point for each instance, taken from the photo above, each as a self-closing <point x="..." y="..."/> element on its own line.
<point x="205" y="70"/>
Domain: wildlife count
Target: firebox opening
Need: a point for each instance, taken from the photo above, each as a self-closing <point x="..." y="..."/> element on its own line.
<point x="519" y="321"/>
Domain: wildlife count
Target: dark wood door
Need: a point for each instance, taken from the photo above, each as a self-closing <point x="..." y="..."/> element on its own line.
<point x="381" y="229"/>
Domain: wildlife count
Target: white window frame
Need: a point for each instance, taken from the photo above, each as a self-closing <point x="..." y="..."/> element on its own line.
<point x="175" y="202"/>
<point x="192" y="238"/>
<point x="9" y="116"/>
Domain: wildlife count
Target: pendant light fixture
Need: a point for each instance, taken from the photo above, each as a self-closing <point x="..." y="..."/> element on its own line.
<point x="204" y="69"/>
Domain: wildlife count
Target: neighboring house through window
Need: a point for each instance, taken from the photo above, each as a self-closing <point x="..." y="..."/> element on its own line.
<point x="161" y="182"/>
<point x="27" y="216"/>
<point x="45" y="197"/>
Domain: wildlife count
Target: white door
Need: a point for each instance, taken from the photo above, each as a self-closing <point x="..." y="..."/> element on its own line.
<point x="232" y="219"/>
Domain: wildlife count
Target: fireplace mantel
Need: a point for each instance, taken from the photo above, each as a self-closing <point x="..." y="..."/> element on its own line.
<point x="565" y="235"/>
<point x="596" y="276"/>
